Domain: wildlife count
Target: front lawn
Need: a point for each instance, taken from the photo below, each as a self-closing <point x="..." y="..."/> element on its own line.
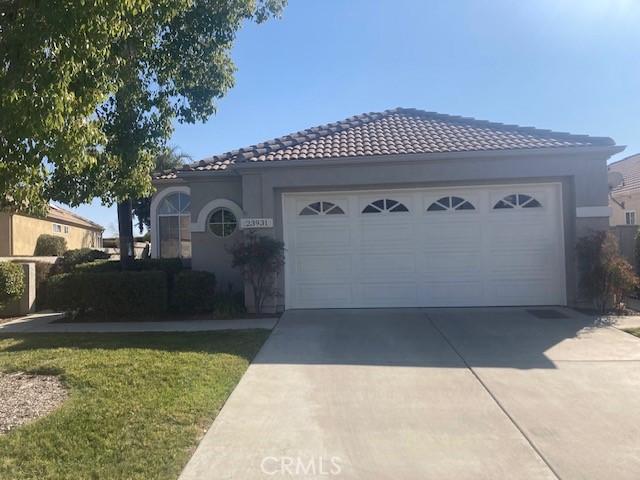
<point x="137" y="407"/>
<point x="634" y="331"/>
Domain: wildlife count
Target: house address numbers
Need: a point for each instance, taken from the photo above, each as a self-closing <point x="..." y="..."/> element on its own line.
<point x="246" y="223"/>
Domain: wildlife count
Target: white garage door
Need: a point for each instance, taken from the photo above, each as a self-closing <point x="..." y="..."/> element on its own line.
<point x="467" y="246"/>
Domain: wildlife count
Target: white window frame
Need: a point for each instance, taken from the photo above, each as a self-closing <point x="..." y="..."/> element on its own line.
<point x="627" y="214"/>
<point x="223" y="223"/>
<point x="56" y="228"/>
<point x="155" y="202"/>
<point x="179" y="215"/>
<point x="66" y="229"/>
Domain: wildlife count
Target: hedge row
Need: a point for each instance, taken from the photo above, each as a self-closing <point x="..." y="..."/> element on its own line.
<point x="116" y="293"/>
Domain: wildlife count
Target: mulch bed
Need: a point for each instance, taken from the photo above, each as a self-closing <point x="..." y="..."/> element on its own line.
<point x="25" y="397"/>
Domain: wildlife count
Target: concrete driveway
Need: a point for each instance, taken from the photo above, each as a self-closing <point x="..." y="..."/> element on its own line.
<point x="431" y="394"/>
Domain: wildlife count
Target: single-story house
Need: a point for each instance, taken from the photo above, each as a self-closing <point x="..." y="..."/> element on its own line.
<point x="401" y="208"/>
<point x="624" y="198"/>
<point x="19" y="233"/>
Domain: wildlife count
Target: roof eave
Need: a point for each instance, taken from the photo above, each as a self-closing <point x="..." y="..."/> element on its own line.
<point x="605" y="150"/>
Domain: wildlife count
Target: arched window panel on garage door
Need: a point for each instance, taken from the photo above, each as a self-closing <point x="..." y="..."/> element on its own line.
<point x="322" y="208"/>
<point x="450" y="204"/>
<point x="517" y="200"/>
<point x="385" y="205"/>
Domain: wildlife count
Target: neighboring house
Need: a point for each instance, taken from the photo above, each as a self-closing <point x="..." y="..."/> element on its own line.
<point x="402" y="208"/>
<point x="19" y="233"/>
<point x="624" y="199"/>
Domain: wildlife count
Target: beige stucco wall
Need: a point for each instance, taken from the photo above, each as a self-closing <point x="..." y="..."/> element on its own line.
<point x="5" y="235"/>
<point x="631" y="202"/>
<point x="26" y="231"/>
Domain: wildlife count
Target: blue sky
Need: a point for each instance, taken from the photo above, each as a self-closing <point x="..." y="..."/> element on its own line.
<point x="568" y="65"/>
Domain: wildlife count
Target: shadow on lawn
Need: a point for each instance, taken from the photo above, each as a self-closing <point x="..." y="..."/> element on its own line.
<point x="237" y="343"/>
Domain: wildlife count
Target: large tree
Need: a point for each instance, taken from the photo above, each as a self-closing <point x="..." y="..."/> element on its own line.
<point x="89" y="91"/>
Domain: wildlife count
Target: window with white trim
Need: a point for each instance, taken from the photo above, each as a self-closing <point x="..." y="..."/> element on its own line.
<point x="222" y="222"/>
<point x="385" y="205"/>
<point x="451" y="204"/>
<point x="66" y="229"/>
<point x="322" y="208"/>
<point x="630" y="217"/>
<point x="56" y="228"/>
<point x="174" y="221"/>
<point x="517" y="200"/>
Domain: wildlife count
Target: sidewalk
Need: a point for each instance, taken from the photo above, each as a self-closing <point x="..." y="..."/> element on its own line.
<point x="41" y="323"/>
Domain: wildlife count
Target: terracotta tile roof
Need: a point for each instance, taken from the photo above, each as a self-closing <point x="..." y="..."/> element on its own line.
<point x="58" y="213"/>
<point x="629" y="167"/>
<point x="395" y="132"/>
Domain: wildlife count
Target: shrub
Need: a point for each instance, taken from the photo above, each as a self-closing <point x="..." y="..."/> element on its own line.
<point x="260" y="258"/>
<point x="229" y="305"/>
<point x="79" y="256"/>
<point x="98" y="266"/>
<point x="171" y="266"/>
<point x="50" y="246"/>
<point x="193" y="292"/>
<point x="11" y="282"/>
<point x="108" y="294"/>
<point x="606" y="278"/>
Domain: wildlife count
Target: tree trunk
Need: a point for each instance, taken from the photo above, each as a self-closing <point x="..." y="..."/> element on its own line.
<point x="125" y="228"/>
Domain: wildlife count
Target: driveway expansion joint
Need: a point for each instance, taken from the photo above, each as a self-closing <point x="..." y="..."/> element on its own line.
<point x="495" y="399"/>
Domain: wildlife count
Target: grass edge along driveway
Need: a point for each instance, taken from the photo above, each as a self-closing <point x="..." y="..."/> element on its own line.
<point x="138" y="404"/>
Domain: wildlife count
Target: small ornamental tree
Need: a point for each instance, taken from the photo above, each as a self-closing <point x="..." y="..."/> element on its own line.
<point x="637" y="251"/>
<point x="261" y="259"/>
<point x="606" y="277"/>
<point x="11" y="282"/>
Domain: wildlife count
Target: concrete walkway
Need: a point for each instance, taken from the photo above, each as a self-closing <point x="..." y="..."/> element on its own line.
<point x="431" y="394"/>
<point x="42" y="323"/>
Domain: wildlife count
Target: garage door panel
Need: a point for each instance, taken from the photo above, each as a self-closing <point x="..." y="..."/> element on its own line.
<point x="384" y="294"/>
<point x="385" y="264"/>
<point x="438" y="263"/>
<point x="458" y="292"/>
<point x="327" y="267"/>
<point x="386" y="235"/>
<point x="319" y="295"/>
<point x="523" y="291"/>
<point x="509" y="256"/>
<point x="314" y="237"/>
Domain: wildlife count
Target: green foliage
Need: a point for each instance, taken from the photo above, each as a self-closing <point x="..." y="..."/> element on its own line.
<point x="50" y="246"/>
<point x="71" y="258"/>
<point x="193" y="292"/>
<point x="171" y="266"/>
<point x="137" y="402"/>
<point x="114" y="294"/>
<point x="260" y="258"/>
<point x="11" y="282"/>
<point x="168" y="159"/>
<point x="89" y="90"/>
<point x="229" y="305"/>
<point x="606" y="277"/>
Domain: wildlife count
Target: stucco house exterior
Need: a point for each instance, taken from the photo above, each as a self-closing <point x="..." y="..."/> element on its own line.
<point x="624" y="199"/>
<point x="19" y="233"/>
<point x="401" y="208"/>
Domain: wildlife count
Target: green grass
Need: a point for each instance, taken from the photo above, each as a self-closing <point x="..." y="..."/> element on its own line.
<point x="138" y="403"/>
<point x="634" y="331"/>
